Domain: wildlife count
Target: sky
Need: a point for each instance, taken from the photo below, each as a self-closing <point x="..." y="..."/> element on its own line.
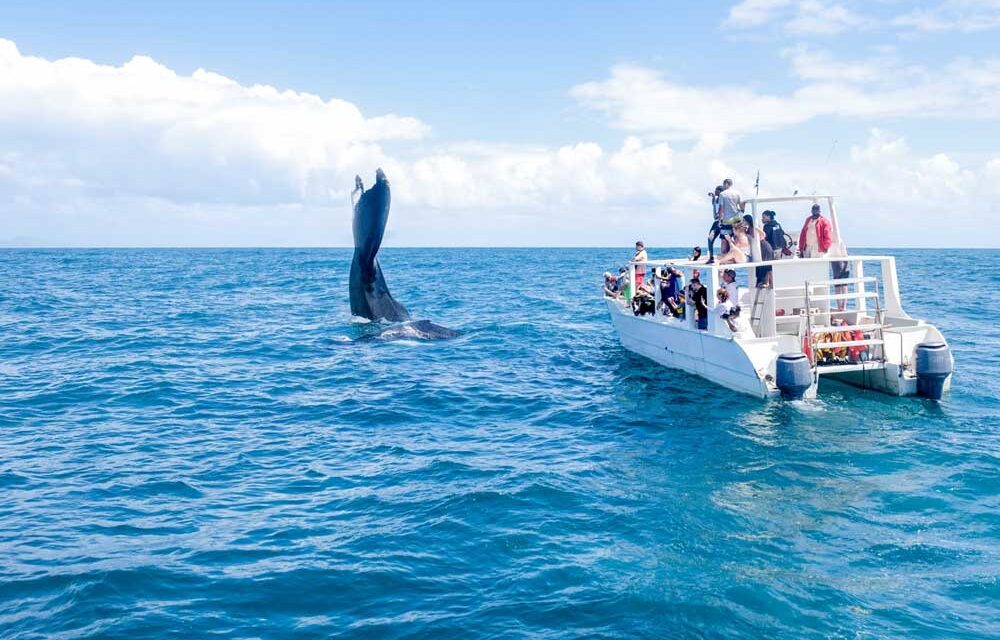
<point x="508" y="123"/>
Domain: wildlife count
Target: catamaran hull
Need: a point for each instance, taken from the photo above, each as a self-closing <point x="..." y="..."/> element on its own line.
<point x="891" y="380"/>
<point x="720" y="360"/>
<point x="749" y="366"/>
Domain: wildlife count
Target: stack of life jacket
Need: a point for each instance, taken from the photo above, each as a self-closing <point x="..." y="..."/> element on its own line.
<point x="855" y="353"/>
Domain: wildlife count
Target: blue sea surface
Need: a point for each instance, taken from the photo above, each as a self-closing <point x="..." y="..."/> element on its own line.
<point x="192" y="446"/>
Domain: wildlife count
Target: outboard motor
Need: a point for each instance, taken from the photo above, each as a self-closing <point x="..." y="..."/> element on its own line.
<point x="793" y="375"/>
<point x="933" y="363"/>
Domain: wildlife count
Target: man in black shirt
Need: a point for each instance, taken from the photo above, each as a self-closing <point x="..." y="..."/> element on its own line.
<point x="763" y="274"/>
<point x="697" y="295"/>
<point x="774" y="234"/>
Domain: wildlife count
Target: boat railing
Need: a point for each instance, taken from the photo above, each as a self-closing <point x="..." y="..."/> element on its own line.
<point x="829" y="307"/>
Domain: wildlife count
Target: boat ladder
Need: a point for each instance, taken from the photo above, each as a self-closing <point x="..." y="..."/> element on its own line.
<point x="757" y="311"/>
<point x="873" y="328"/>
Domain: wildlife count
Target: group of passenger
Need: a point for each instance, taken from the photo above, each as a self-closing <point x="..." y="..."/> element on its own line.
<point x="675" y="298"/>
<point x="668" y="282"/>
<point x="735" y="230"/>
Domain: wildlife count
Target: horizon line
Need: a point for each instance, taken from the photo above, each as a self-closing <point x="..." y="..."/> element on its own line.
<point x="320" y="248"/>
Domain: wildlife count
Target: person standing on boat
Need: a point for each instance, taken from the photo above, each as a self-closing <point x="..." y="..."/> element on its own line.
<point x="671" y="286"/>
<point x="729" y="284"/>
<point x="730" y="208"/>
<point x="713" y="233"/>
<point x="697" y="297"/>
<point x="763" y="275"/>
<point x="640" y="256"/>
<point x="774" y="235"/>
<point x="816" y="235"/>
<point x="731" y="205"/>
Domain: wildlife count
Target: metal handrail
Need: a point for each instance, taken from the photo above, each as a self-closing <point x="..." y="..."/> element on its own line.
<point x="809" y="333"/>
<point x="850" y="327"/>
<point x="827" y="283"/>
<point x="832" y="296"/>
<point x="822" y="346"/>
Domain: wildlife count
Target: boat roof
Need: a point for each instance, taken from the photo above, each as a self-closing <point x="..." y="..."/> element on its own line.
<point x="795" y="198"/>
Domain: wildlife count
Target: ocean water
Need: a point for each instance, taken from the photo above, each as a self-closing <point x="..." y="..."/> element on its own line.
<point x="191" y="446"/>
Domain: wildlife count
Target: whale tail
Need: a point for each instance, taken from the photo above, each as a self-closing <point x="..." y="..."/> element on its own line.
<point x="375" y="301"/>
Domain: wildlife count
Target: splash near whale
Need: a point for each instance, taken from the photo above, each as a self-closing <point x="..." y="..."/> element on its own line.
<point x="370" y="297"/>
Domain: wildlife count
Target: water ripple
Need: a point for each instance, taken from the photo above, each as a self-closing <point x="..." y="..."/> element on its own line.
<point x="192" y="445"/>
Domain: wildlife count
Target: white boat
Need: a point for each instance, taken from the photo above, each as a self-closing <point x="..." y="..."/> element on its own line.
<point x="804" y="327"/>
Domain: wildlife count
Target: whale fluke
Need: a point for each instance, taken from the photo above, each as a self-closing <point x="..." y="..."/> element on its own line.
<point x="370" y="297"/>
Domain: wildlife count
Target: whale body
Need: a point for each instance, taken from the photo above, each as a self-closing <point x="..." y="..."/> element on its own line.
<point x="412" y="330"/>
<point x="370" y="297"/>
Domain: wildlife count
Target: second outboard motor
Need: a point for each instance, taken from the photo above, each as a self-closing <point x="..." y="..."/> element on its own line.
<point x="793" y="375"/>
<point x="933" y="364"/>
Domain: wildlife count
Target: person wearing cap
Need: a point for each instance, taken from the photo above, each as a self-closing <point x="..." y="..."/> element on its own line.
<point x="697" y="297"/>
<point x="729" y="284"/>
<point x="612" y="288"/>
<point x="715" y="230"/>
<point x="816" y="235"/>
<point x="774" y="234"/>
<point x="640" y="256"/>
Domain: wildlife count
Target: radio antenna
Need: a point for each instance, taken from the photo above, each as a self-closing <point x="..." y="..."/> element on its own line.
<point x="825" y="164"/>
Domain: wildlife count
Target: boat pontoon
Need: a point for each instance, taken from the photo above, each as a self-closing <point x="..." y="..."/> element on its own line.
<point x="805" y="326"/>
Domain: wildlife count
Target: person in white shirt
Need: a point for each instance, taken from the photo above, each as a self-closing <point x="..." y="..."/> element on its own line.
<point x="729" y="284"/>
<point x="722" y="304"/>
<point x="738" y="324"/>
<point x="640" y="256"/>
<point x="731" y="317"/>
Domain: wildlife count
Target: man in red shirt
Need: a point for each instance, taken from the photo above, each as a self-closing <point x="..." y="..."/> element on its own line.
<point x="816" y="235"/>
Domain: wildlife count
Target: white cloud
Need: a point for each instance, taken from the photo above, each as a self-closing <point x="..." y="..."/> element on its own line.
<point x="814" y="17"/>
<point x="823" y="17"/>
<point x="953" y="15"/>
<point x="642" y="100"/>
<point x="142" y="130"/>
<point x="811" y="64"/>
<point x="137" y="154"/>
<point x="891" y="195"/>
<point x="753" y="13"/>
<point x="799" y="17"/>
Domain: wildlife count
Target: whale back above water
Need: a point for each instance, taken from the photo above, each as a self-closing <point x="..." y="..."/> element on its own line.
<point x="370" y="297"/>
<point x="412" y="330"/>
